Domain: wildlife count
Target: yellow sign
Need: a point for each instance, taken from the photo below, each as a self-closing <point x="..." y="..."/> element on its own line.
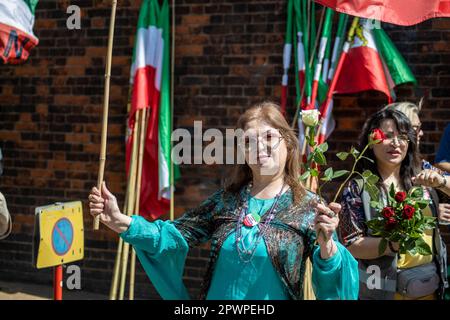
<point x="59" y="234"/>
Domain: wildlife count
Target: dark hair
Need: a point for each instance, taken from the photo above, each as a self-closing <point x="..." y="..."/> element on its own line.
<point x="410" y="165"/>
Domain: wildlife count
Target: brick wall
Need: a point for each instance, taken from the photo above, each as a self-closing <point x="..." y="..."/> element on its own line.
<point x="228" y="56"/>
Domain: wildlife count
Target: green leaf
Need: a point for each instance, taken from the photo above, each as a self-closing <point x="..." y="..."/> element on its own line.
<point x="329" y="173"/>
<point x="376" y="205"/>
<point x="340" y="173"/>
<point x="416" y="192"/>
<point x="319" y="158"/>
<point x="382" y="247"/>
<point x="314" y="172"/>
<point x="422" y="247"/>
<point x="373" y="179"/>
<point x="366" y="174"/>
<point x="305" y="176"/>
<point x="422" y="204"/>
<point x="368" y="159"/>
<point x="372" y="190"/>
<point x="342" y="155"/>
<point x="392" y="191"/>
<point x="323" y="147"/>
<point x="354" y="152"/>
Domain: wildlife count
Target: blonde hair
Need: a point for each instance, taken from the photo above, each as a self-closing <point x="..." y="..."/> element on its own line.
<point x="269" y="113"/>
<point x="408" y="108"/>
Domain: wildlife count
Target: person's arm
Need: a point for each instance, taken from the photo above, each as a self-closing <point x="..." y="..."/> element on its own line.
<point x="5" y="219"/>
<point x="195" y="225"/>
<point x="367" y="248"/>
<point x="335" y="271"/>
<point x="442" y="160"/>
<point x="432" y="179"/>
<point x="161" y="246"/>
<point x="444" y="166"/>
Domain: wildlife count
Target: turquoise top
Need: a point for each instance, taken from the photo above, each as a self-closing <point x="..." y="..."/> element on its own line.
<point x="233" y="279"/>
<point x="162" y="251"/>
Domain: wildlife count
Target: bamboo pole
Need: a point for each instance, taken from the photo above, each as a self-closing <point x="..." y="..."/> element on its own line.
<point x="138" y="196"/>
<point x="172" y="81"/>
<point x="115" y="279"/>
<point x="102" y="159"/>
<point x="130" y="207"/>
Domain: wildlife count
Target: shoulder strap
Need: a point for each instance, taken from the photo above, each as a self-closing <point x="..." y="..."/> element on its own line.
<point x="435" y="205"/>
<point x="365" y="198"/>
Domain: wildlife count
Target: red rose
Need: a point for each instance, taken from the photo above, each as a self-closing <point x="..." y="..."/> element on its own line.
<point x="388" y="212"/>
<point x="400" y="196"/>
<point x="377" y="134"/>
<point x="408" y="212"/>
<point x="390" y="223"/>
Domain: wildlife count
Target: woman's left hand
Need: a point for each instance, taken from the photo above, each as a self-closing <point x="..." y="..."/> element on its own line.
<point x="327" y="221"/>
<point x="428" y="178"/>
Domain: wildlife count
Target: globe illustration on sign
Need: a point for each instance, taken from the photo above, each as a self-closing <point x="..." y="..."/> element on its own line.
<point x="62" y="236"/>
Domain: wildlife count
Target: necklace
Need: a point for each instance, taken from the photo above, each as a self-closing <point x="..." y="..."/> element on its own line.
<point x="245" y="219"/>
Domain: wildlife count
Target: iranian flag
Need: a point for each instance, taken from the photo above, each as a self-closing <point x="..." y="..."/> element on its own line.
<point x="150" y="79"/>
<point x="16" y="30"/>
<point x="371" y="62"/>
<point x="400" y="12"/>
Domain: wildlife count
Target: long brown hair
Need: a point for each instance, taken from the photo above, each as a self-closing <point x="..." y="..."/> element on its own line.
<point x="269" y="113"/>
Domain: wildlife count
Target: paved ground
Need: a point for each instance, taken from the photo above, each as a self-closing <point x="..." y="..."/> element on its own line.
<point x="24" y="291"/>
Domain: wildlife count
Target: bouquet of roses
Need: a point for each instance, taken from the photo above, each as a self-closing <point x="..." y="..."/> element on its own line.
<point x="402" y="221"/>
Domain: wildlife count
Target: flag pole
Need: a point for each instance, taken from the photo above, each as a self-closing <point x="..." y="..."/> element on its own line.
<point x="101" y="169"/>
<point x="350" y="36"/>
<point x="115" y="279"/>
<point x="172" y="73"/>
<point x="310" y="61"/>
<point x="138" y="195"/>
<point x="130" y="203"/>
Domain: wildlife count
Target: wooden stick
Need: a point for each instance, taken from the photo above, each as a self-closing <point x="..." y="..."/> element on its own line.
<point x="130" y="207"/>
<point x="101" y="169"/>
<point x="311" y="59"/>
<point x="115" y="279"/>
<point x="172" y="73"/>
<point x="138" y="196"/>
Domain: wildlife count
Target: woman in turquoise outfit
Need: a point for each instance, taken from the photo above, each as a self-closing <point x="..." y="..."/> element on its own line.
<point x="262" y="226"/>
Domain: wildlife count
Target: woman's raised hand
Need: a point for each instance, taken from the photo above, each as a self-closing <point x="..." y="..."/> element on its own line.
<point x="104" y="205"/>
<point x="327" y="221"/>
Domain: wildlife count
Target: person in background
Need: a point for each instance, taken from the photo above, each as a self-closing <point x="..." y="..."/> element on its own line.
<point x="442" y="160"/>
<point x="395" y="161"/>
<point x="5" y="217"/>
<point x="431" y="176"/>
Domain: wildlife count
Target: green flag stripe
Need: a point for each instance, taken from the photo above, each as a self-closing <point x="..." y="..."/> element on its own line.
<point x="398" y="68"/>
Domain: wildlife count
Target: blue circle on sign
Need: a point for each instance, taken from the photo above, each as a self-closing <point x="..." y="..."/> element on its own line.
<point x="62" y="236"/>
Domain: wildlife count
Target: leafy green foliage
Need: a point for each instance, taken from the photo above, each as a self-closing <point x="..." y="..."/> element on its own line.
<point x="408" y="224"/>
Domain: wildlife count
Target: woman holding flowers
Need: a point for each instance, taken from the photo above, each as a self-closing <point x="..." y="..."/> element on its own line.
<point x="386" y="273"/>
<point x="258" y="224"/>
<point x="430" y="176"/>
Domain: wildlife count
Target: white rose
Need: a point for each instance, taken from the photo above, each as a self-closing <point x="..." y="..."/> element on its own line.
<point x="310" y="117"/>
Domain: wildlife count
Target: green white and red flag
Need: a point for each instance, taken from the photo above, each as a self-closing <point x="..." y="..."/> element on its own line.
<point x="324" y="40"/>
<point x="16" y="30"/>
<point x="365" y="68"/>
<point x="400" y="12"/>
<point x="150" y="79"/>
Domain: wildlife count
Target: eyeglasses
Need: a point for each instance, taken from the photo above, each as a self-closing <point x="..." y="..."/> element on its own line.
<point x="401" y="139"/>
<point x="269" y="140"/>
